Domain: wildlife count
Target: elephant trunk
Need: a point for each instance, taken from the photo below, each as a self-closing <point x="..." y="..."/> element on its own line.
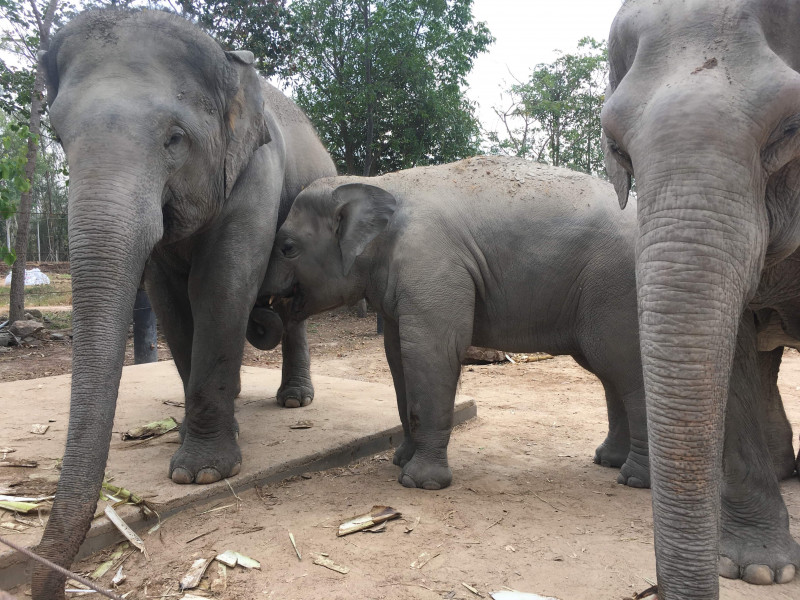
<point x="700" y="251"/>
<point x="115" y="220"/>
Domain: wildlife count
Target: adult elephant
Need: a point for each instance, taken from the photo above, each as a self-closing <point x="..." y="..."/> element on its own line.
<point x="182" y="163"/>
<point x="704" y="111"/>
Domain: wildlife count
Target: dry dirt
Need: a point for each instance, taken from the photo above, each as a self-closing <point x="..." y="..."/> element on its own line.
<point x="527" y="509"/>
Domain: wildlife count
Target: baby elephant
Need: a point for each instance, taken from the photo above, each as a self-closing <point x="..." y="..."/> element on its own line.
<point x="493" y="252"/>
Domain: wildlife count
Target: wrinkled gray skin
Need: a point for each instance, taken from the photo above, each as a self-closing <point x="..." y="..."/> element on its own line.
<point x="703" y="110"/>
<point x="182" y="160"/>
<point x="494" y="252"/>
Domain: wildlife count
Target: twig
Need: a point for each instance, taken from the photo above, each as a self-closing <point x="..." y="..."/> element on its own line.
<point x="197" y="537"/>
<point x="545" y="501"/>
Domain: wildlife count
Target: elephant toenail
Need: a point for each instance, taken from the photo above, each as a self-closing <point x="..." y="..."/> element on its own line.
<point x="307" y="400"/>
<point x="728" y="568"/>
<point x="406" y="481"/>
<point x="236" y="469"/>
<point x="292" y="403"/>
<point x="431" y="485"/>
<point x="785" y="574"/>
<point x="181" y="475"/>
<point x="758" y="575"/>
<point x="207" y="475"/>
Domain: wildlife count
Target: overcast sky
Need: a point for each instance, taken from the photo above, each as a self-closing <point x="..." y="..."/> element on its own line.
<point x="527" y="32"/>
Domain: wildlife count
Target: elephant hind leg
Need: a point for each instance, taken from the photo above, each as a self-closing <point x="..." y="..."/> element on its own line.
<point x="613" y="452"/>
<point x="777" y="429"/>
<point x="625" y="445"/>
<point x="755" y="542"/>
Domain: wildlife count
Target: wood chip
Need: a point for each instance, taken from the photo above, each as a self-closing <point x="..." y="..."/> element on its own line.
<point x="302" y="425"/>
<point x="195" y="573"/>
<point x="324" y="561"/>
<point x="39" y="429"/>
<point x="377" y="515"/>
<point x="19" y="462"/>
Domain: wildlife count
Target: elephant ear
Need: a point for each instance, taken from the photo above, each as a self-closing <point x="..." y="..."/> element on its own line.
<point x="617" y="174"/>
<point x="362" y="212"/>
<point x="244" y="117"/>
<point x="47" y="63"/>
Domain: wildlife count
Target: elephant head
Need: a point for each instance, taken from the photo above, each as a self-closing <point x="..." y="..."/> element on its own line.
<point x="157" y="123"/>
<point x="703" y="111"/>
<point x="320" y="259"/>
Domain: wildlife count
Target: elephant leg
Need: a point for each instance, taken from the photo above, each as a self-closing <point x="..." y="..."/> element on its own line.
<point x="755" y="543"/>
<point x="168" y="293"/>
<point x="295" y="389"/>
<point x="391" y="344"/>
<point x="626" y="444"/>
<point x="433" y="340"/>
<point x="222" y="292"/>
<point x="614" y="450"/>
<point x="778" y="430"/>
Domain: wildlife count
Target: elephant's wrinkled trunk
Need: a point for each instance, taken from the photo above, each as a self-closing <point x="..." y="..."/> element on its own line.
<point x="114" y="222"/>
<point x="700" y="251"/>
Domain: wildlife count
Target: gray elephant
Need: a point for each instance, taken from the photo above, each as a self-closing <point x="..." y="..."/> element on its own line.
<point x="183" y="162"/>
<point x="494" y="252"/>
<point x="703" y="110"/>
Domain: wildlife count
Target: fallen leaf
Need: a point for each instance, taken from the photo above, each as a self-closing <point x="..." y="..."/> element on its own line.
<point x="129" y="534"/>
<point x="151" y="430"/>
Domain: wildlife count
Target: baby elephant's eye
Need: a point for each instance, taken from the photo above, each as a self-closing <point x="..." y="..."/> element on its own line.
<point x="288" y="249"/>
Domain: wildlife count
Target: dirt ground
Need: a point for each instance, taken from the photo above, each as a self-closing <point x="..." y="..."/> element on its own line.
<point x="528" y="510"/>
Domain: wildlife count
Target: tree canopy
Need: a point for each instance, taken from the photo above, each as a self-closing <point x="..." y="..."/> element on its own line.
<point x="383" y="80"/>
<point x="554" y="116"/>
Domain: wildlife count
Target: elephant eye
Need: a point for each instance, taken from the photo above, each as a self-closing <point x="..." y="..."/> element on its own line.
<point x="175" y="138"/>
<point x="288" y="249"/>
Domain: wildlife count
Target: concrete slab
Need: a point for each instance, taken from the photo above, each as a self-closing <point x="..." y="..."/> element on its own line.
<point x="350" y="419"/>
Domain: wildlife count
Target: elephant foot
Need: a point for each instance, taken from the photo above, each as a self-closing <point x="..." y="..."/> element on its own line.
<point x="404" y="453"/>
<point x="418" y="473"/>
<point x="612" y="452"/>
<point x="205" y="461"/>
<point x="295" y="393"/>
<point x="635" y="472"/>
<point x="758" y="555"/>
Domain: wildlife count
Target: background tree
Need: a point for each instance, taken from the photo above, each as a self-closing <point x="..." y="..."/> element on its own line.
<point x="383" y="80"/>
<point x="32" y="27"/>
<point x="554" y="117"/>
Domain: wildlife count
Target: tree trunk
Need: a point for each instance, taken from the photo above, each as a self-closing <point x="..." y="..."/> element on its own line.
<point x="368" y="138"/>
<point x="16" y="309"/>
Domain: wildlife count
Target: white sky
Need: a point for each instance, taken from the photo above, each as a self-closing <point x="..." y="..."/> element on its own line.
<point x="527" y="32"/>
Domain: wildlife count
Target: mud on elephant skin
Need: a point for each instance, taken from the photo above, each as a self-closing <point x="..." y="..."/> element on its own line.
<point x="703" y="109"/>
<point x="183" y="161"/>
<point x="461" y="255"/>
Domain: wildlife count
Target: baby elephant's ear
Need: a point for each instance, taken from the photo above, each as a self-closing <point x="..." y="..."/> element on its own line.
<point x="362" y="212"/>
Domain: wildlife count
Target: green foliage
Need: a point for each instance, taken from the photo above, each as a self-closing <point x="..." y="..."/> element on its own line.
<point x="554" y="117"/>
<point x="382" y="81"/>
<point x="255" y="25"/>
<point x="13" y="158"/>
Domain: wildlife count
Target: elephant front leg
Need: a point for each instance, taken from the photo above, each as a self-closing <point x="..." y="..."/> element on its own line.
<point x="755" y="543"/>
<point x="391" y="344"/>
<point x="431" y="352"/>
<point x="296" y="389"/>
